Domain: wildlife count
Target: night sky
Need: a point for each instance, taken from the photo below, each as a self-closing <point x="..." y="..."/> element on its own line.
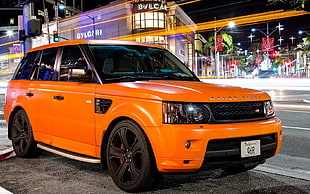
<point x="209" y="9"/>
<point x="228" y="8"/>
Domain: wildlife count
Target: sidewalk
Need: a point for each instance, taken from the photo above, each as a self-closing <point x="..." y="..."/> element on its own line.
<point x="6" y="149"/>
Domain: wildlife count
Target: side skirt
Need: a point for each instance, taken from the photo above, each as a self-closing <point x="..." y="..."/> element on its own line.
<point x="68" y="154"/>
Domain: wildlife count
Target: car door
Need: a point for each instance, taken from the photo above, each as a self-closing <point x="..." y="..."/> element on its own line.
<point x="73" y="104"/>
<point x="40" y="92"/>
<point x="37" y="75"/>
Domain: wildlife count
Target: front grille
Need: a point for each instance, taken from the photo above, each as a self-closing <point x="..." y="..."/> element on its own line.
<point x="226" y="152"/>
<point x="237" y="110"/>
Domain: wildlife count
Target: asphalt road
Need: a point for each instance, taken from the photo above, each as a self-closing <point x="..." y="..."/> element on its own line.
<point x="288" y="172"/>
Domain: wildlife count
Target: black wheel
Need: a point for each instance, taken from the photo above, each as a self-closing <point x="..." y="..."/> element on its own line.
<point x="22" y="137"/>
<point x="129" y="158"/>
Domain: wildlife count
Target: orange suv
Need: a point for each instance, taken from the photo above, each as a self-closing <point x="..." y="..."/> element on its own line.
<point x="136" y="109"/>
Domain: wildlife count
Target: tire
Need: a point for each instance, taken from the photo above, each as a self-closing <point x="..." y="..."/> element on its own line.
<point x="129" y="158"/>
<point x="22" y="137"/>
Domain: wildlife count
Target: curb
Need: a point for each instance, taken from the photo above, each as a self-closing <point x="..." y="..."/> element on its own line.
<point x="6" y="154"/>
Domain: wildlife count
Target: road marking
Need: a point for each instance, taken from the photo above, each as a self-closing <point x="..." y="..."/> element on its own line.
<point x="301" y="107"/>
<point x="306" y="101"/>
<point x="302" y="128"/>
<point x="4" y="191"/>
<point x="295" y="173"/>
<point x="297" y="111"/>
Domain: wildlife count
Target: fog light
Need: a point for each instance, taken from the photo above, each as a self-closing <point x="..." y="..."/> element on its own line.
<point x="187" y="144"/>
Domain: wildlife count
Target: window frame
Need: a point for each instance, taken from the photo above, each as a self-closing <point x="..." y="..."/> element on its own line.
<point x="82" y="49"/>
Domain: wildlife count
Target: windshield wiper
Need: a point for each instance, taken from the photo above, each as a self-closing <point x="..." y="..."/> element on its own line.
<point x="173" y="76"/>
<point x="120" y="79"/>
<point x="131" y="78"/>
<point x="166" y="76"/>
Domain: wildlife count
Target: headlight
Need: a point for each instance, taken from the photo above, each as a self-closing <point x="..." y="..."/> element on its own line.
<point x="269" y="109"/>
<point x="185" y="113"/>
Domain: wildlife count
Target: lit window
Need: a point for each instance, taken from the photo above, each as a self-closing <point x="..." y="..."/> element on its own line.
<point x="12" y="21"/>
<point x="149" y="20"/>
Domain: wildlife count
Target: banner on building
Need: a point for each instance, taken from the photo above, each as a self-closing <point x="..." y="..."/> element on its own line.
<point x="267" y="44"/>
<point x="219" y="43"/>
<point x="17" y="52"/>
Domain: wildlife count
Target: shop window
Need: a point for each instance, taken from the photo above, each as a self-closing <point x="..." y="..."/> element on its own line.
<point x="159" y="40"/>
<point x="149" y="20"/>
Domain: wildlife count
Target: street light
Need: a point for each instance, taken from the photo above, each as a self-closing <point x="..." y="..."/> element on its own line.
<point x="268" y="43"/>
<point x="77" y="11"/>
<point x="9" y="32"/>
<point x="267" y="34"/>
<point x="230" y="24"/>
<point x="300" y="32"/>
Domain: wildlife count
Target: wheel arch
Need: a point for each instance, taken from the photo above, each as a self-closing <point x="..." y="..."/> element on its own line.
<point x="106" y="134"/>
<point x="12" y="114"/>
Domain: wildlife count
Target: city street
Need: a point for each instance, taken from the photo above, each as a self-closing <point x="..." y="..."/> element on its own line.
<point x="287" y="172"/>
<point x="118" y="83"/>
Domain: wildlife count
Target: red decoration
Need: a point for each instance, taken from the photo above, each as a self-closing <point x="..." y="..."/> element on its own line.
<point x="267" y="44"/>
<point x="219" y="43"/>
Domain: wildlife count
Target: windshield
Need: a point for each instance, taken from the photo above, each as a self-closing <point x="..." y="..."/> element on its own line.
<point x="131" y="63"/>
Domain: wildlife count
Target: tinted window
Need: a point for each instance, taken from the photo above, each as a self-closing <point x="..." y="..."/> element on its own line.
<point x="130" y="63"/>
<point x="27" y="66"/>
<point x="73" y="66"/>
<point x="46" y="65"/>
<point x="38" y="65"/>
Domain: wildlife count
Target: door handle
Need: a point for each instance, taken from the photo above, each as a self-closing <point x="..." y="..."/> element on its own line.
<point x="59" y="97"/>
<point x="29" y="94"/>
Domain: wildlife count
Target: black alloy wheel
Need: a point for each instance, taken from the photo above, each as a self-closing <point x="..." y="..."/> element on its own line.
<point x="130" y="159"/>
<point x="22" y="137"/>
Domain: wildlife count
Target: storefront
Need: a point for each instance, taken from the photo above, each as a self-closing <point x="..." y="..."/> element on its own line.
<point x="123" y="18"/>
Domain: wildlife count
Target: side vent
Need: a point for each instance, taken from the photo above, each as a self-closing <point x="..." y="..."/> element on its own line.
<point x="102" y="105"/>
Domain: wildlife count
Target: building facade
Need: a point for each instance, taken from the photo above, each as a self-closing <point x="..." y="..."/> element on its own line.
<point x="138" y="20"/>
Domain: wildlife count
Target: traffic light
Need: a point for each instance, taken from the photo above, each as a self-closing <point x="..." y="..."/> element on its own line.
<point x="55" y="36"/>
<point x="21" y="35"/>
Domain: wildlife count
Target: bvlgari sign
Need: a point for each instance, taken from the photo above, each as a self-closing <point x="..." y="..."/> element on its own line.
<point x="89" y="34"/>
<point x="149" y="6"/>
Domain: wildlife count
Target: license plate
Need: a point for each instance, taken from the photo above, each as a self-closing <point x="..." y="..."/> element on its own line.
<point x="250" y="148"/>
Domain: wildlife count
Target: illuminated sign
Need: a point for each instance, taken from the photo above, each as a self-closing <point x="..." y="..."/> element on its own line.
<point x="89" y="34"/>
<point x="148" y="6"/>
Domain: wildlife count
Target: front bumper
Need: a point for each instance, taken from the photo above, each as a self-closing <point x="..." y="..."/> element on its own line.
<point x="212" y="145"/>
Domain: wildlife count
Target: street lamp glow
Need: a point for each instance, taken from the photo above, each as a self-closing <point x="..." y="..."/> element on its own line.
<point x="300" y="32"/>
<point x="231" y="24"/>
<point x="253" y="29"/>
<point x="62" y="6"/>
<point x="9" y="32"/>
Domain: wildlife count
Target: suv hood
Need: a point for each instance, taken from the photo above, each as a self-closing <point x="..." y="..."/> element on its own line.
<point x="182" y="91"/>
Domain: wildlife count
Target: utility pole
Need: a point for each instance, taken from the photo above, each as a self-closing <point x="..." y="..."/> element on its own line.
<point x="46" y="18"/>
<point x="28" y="13"/>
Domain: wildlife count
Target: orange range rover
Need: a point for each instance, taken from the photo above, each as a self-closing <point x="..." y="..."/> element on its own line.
<point x="135" y="109"/>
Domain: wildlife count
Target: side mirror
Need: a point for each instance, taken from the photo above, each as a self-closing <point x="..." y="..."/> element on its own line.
<point x="80" y="75"/>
